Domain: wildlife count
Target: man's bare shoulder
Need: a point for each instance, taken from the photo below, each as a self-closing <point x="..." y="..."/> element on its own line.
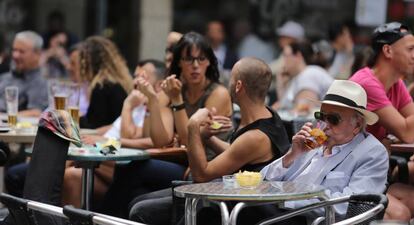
<point x="220" y="90"/>
<point x="251" y="139"/>
<point x="252" y="146"/>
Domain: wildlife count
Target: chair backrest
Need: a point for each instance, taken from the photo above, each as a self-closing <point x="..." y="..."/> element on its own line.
<point x="47" y="214"/>
<point x="362" y="209"/>
<point x="25" y="212"/>
<point x="371" y="205"/>
<point x="83" y="217"/>
<point x="18" y="211"/>
<point x="44" y="177"/>
<point x="78" y="216"/>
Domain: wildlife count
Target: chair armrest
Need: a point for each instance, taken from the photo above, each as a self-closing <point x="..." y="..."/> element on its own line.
<point x="318" y="220"/>
<point x="172" y="154"/>
<point x="402" y="166"/>
<point x="78" y="216"/>
<point x="304" y="209"/>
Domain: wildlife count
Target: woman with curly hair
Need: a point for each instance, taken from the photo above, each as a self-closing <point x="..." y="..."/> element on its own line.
<point x="110" y="82"/>
<point x="105" y="70"/>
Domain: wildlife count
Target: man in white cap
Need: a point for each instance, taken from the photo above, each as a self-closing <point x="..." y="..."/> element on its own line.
<point x="289" y="32"/>
<point x="351" y="161"/>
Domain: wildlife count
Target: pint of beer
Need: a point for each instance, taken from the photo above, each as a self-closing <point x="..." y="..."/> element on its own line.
<point x="12" y="103"/>
<point x="60" y="102"/>
<point x="74" y="112"/>
<point x="12" y="120"/>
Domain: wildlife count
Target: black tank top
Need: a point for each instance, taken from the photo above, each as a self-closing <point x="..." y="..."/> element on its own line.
<point x="274" y="129"/>
<point x="190" y="109"/>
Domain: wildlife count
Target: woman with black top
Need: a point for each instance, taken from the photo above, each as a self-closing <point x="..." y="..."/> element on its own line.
<point x="110" y="82"/>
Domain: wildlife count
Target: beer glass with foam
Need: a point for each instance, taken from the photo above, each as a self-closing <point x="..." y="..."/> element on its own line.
<point x="73" y="101"/>
<point x="12" y="103"/>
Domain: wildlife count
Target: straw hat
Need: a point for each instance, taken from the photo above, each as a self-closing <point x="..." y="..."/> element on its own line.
<point x="346" y="93"/>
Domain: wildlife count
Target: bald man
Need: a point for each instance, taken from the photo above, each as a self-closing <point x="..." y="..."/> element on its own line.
<point x="259" y="139"/>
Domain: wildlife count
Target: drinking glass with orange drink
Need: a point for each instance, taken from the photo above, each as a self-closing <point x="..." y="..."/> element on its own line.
<point x="318" y="136"/>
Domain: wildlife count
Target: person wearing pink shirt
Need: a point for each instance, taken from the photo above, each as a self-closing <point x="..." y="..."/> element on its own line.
<point x="395" y="98"/>
<point x="393" y="45"/>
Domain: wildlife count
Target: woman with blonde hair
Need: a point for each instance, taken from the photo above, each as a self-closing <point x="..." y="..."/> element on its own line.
<point x="110" y="82"/>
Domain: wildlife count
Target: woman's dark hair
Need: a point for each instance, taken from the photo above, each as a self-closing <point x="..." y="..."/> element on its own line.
<point x="187" y="42"/>
<point x="363" y="57"/>
<point x="305" y="48"/>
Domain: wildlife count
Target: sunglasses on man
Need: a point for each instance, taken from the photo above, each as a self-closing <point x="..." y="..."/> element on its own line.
<point x="332" y="118"/>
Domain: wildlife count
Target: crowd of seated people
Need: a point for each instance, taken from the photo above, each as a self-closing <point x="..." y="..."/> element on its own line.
<point x="174" y="103"/>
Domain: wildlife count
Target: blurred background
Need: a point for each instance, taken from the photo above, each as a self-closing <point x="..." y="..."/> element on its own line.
<point x="139" y="27"/>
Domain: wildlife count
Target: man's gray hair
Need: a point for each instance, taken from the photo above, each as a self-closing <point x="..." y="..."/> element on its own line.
<point x="31" y="36"/>
<point x="358" y="116"/>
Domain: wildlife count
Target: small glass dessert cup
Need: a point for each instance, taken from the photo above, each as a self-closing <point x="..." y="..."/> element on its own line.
<point x="229" y="181"/>
<point x="318" y="136"/>
<point x="248" y="180"/>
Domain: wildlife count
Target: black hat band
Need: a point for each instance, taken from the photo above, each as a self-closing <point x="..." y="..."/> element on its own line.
<point x="346" y="101"/>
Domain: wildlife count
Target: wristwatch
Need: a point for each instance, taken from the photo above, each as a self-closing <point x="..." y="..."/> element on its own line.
<point x="176" y="108"/>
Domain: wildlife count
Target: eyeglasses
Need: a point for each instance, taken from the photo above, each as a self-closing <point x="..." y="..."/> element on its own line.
<point x="189" y="60"/>
<point x="332" y="118"/>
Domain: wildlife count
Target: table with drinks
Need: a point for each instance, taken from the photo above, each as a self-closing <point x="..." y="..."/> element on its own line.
<point x="88" y="158"/>
<point x="271" y="192"/>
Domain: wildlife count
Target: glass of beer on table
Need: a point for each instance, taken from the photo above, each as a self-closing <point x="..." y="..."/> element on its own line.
<point x="73" y="101"/>
<point x="12" y="103"/>
<point x="59" y="91"/>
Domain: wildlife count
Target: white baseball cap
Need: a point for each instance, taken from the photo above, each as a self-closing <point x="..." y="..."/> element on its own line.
<point x="291" y="29"/>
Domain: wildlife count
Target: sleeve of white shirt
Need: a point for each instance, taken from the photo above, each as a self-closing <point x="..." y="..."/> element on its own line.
<point x="274" y="171"/>
<point x="138" y="115"/>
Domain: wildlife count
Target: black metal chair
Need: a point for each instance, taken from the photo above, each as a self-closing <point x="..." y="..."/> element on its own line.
<point x="22" y="211"/>
<point x="362" y="209"/>
<point x="83" y="217"/>
<point x="399" y="161"/>
<point x="18" y="211"/>
<point x="43" y="181"/>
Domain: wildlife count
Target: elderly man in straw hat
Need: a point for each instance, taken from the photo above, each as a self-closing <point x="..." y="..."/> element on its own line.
<point x="350" y="161"/>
